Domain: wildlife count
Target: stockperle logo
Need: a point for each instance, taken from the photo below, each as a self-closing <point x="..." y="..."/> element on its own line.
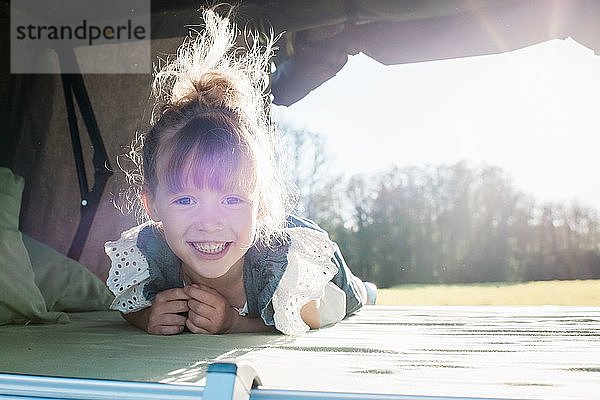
<point x="80" y="36"/>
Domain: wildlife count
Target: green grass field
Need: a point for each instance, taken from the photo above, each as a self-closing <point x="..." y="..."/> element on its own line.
<point x="564" y="293"/>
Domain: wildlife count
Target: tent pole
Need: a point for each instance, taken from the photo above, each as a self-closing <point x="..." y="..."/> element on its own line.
<point x="74" y="89"/>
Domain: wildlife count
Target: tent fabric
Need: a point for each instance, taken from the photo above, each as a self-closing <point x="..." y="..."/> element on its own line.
<point x="319" y="41"/>
<point x="483" y="352"/>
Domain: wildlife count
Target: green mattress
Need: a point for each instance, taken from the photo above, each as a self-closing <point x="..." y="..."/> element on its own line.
<point x="509" y="352"/>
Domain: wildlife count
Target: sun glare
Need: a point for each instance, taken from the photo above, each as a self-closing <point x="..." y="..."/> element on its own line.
<point x="531" y="112"/>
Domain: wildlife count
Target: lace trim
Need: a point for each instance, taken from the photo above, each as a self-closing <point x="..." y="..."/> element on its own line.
<point x="308" y="271"/>
<point x="128" y="272"/>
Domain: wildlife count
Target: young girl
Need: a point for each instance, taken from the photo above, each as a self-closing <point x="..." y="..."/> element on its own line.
<point x="219" y="254"/>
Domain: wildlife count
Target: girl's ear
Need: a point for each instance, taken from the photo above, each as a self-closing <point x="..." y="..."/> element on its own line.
<point x="149" y="206"/>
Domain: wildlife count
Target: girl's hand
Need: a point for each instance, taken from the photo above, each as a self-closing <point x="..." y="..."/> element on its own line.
<point x="165" y="315"/>
<point x="209" y="311"/>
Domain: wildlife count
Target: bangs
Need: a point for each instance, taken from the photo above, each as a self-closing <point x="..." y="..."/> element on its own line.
<point x="208" y="155"/>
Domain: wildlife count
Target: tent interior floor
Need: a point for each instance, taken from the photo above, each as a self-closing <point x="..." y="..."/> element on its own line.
<point x="499" y="352"/>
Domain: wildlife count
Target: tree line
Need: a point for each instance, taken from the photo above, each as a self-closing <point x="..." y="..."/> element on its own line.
<point x="442" y="224"/>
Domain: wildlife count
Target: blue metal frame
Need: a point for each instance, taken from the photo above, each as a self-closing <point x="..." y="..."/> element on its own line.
<point x="43" y="387"/>
<point x="225" y="380"/>
<point x="230" y="379"/>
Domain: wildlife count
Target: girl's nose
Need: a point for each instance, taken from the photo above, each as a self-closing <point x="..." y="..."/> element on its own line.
<point x="209" y="219"/>
<point x="209" y="225"/>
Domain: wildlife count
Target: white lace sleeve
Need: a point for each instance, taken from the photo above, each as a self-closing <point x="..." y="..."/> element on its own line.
<point x="128" y="272"/>
<point x="309" y="270"/>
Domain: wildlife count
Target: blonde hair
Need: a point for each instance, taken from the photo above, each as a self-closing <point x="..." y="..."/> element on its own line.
<point x="212" y="97"/>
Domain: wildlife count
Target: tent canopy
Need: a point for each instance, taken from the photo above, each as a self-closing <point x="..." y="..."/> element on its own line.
<point x="318" y="36"/>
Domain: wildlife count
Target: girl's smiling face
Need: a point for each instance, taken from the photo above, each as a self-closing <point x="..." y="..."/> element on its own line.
<point x="209" y="230"/>
<point x="204" y="192"/>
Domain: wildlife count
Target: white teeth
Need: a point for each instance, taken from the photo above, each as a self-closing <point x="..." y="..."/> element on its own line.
<point x="209" y="247"/>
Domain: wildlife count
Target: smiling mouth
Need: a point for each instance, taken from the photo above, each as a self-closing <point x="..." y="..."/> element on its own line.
<point x="210" y="248"/>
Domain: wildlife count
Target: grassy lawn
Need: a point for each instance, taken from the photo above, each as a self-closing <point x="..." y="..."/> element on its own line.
<point x="564" y="293"/>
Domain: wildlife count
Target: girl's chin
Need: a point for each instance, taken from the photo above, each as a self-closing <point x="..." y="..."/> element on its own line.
<point x="200" y="275"/>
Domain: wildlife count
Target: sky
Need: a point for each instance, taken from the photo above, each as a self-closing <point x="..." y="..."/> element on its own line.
<point x="535" y="112"/>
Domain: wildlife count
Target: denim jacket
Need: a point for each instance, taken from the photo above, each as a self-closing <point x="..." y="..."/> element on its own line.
<point x="144" y="265"/>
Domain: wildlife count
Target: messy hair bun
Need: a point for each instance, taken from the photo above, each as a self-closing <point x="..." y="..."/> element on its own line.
<point x="213" y="76"/>
<point x="211" y="70"/>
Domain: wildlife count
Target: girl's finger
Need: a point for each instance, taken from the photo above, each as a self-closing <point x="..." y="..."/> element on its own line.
<point x="194" y="328"/>
<point x="200" y="308"/>
<point x="172" y="294"/>
<point x="175" y="306"/>
<point x="173" y="319"/>
<point x="166" y="329"/>
<point x="197" y="293"/>
<point x="156" y="320"/>
<point x="204" y="294"/>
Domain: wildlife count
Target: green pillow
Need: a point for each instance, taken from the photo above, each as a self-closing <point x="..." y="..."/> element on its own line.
<point x="11" y="189"/>
<point x="20" y="299"/>
<point x="65" y="284"/>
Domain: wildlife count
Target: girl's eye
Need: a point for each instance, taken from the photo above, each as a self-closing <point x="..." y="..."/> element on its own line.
<point x="184" y="201"/>
<point x="232" y="200"/>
